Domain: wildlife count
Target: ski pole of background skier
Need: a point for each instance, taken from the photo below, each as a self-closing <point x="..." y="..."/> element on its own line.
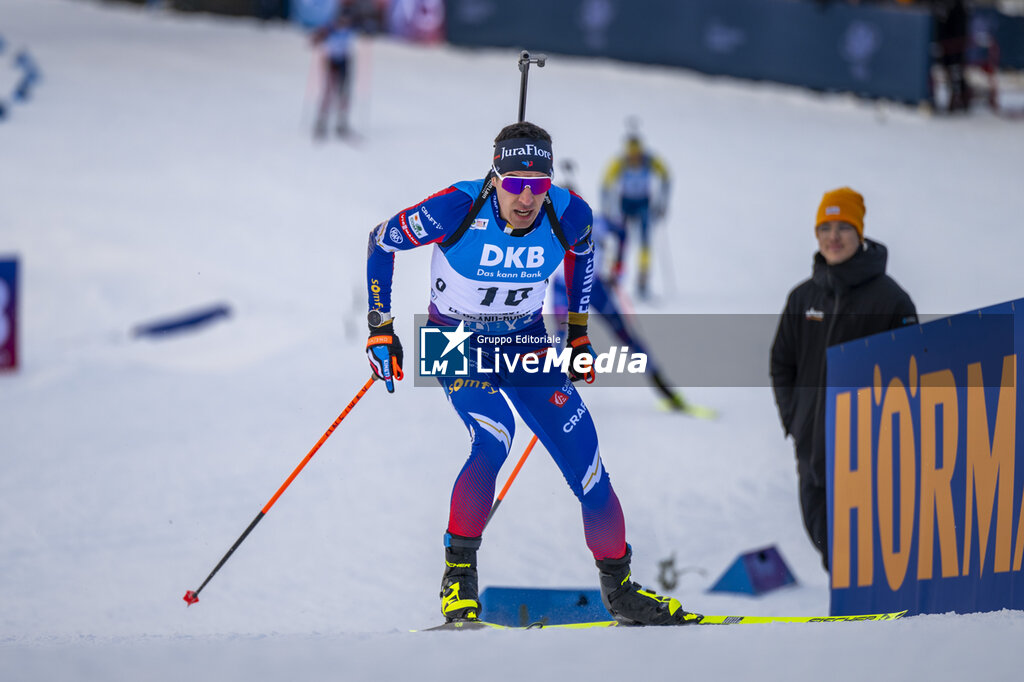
<point x="668" y="268"/>
<point x="192" y="596"/>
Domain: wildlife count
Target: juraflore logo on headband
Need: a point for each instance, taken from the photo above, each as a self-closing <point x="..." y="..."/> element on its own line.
<point x="522" y="154"/>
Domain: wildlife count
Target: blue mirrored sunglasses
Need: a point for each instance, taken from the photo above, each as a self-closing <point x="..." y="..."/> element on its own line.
<point x="515" y="185"/>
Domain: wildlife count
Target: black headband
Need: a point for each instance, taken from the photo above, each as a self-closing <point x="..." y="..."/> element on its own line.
<point x="521" y="154"/>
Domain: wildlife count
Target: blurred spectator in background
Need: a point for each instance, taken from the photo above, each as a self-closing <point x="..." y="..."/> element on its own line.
<point x="634" y="194"/>
<point x="951" y="49"/>
<point x="335" y="42"/>
<point x="848" y="296"/>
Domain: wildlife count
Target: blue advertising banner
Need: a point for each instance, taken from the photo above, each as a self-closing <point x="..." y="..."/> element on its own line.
<point x="8" y="313"/>
<point x="925" y="474"/>
<point x="312" y="13"/>
<point x="874" y="50"/>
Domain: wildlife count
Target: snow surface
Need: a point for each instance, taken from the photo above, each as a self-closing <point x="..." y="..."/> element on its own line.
<point x="165" y="162"/>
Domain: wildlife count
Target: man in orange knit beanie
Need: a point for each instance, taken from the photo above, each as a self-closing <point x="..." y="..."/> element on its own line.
<point x="848" y="275"/>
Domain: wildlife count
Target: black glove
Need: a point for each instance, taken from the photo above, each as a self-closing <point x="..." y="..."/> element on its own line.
<point x="384" y="351"/>
<point x="580" y="345"/>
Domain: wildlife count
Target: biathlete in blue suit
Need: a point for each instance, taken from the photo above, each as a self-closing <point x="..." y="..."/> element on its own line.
<point x="335" y="42"/>
<point x="602" y="300"/>
<point x="497" y="241"/>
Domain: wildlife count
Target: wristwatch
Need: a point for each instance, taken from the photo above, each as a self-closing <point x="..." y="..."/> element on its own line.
<point x="376" y="318"/>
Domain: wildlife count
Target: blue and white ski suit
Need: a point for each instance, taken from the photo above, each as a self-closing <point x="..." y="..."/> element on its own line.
<point x="495" y="283"/>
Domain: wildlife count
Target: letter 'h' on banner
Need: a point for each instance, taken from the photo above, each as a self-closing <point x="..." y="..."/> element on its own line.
<point x="8" y="313"/>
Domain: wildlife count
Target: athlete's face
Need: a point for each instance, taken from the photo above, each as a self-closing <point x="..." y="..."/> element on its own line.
<point x="634" y="153"/>
<point x="837" y="240"/>
<point x="520" y="210"/>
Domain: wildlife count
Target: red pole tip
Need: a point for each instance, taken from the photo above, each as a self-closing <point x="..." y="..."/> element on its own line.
<point x="190" y="598"/>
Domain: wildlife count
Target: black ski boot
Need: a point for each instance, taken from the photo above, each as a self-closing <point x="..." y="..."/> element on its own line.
<point x="630" y="604"/>
<point x="460" y="598"/>
<point x="674" y="400"/>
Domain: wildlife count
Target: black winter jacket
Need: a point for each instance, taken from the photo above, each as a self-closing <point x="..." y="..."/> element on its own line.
<point x="838" y="303"/>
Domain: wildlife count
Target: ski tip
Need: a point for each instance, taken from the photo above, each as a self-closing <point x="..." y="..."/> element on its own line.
<point x="688" y="409"/>
<point x="190" y="598"/>
<point x="701" y="412"/>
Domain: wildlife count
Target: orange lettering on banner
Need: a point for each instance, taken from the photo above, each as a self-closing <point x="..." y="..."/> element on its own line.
<point x="852" y="491"/>
<point x="990" y="466"/>
<point x="1018" y="554"/>
<point x="895" y="561"/>
<point x="938" y="389"/>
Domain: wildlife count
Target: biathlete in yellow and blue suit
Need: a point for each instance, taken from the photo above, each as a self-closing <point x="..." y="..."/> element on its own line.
<point x="635" y="193"/>
<point x="497" y="241"/>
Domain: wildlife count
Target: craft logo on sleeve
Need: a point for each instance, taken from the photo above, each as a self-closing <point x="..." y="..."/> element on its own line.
<point x="444" y="351"/>
<point x="8" y="314"/>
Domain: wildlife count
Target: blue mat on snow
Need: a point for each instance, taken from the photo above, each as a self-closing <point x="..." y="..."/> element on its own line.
<point x="521" y="606"/>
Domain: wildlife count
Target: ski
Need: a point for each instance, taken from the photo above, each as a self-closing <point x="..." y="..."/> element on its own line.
<point x="699" y="411"/>
<point x="351" y="137"/>
<point x="754" y="620"/>
<point x="707" y="620"/>
<point x="689" y="409"/>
